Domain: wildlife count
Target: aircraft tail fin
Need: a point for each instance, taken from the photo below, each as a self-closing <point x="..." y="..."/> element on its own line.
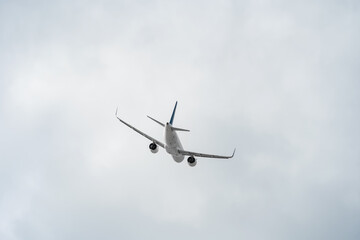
<point x="173" y="114"/>
<point x="160" y="123"/>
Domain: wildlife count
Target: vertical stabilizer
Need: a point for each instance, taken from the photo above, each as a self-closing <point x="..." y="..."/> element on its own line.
<point x="173" y="114"/>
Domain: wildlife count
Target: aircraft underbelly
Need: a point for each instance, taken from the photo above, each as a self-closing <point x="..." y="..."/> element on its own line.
<point x="178" y="159"/>
<point x="173" y="144"/>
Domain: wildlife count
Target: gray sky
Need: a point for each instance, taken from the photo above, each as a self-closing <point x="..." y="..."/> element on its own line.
<point x="278" y="80"/>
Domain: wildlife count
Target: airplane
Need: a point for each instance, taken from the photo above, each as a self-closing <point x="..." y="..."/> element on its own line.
<point x="172" y="143"/>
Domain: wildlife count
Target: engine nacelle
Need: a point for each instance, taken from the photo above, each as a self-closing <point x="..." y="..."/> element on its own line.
<point x="191" y="161"/>
<point x="154" y="148"/>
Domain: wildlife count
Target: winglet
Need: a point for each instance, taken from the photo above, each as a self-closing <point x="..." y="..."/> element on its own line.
<point x="116" y="111"/>
<point x="233" y="153"/>
<point x="173" y="114"/>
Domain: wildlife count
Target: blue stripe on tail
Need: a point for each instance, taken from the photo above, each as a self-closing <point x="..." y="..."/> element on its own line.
<point x="173" y="114"/>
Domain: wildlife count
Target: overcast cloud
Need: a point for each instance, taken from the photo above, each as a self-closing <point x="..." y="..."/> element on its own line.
<point x="278" y="80"/>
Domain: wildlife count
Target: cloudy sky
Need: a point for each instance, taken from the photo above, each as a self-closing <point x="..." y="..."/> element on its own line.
<point x="278" y="80"/>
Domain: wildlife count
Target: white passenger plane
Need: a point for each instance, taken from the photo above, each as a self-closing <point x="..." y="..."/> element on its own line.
<point x="172" y="143"/>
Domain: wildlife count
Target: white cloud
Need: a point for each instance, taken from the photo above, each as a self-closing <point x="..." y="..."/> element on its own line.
<point x="277" y="80"/>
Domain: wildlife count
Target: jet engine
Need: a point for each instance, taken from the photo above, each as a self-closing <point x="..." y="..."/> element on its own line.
<point x="154" y="148"/>
<point x="191" y="161"/>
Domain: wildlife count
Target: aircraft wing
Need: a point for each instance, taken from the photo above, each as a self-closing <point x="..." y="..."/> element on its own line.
<point x="141" y="133"/>
<point x="188" y="153"/>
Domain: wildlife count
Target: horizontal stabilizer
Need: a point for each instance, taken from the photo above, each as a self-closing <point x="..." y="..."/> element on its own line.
<point x="180" y="129"/>
<point x="160" y="123"/>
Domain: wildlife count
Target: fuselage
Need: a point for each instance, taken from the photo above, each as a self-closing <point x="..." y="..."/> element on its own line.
<point x="173" y="143"/>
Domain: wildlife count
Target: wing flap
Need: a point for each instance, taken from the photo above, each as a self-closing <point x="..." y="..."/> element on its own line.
<point x="188" y="153"/>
